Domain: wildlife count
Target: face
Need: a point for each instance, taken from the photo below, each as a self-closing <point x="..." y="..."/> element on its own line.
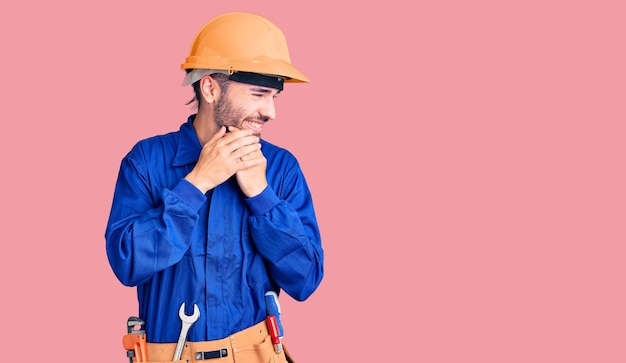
<point x="246" y="106"/>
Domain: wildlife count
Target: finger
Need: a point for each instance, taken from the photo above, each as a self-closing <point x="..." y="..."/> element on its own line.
<point x="219" y="134"/>
<point x="247" y="152"/>
<point x="231" y="133"/>
<point x="253" y="154"/>
<point x="248" y="163"/>
<point x="239" y="132"/>
<point x="234" y="144"/>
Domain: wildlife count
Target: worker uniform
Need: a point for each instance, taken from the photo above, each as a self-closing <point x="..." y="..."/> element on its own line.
<point x="219" y="250"/>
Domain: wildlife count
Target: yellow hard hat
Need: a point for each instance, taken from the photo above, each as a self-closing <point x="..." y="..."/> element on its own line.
<point x="243" y="42"/>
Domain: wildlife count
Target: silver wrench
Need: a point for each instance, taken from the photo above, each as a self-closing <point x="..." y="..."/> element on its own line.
<point x="187" y="321"/>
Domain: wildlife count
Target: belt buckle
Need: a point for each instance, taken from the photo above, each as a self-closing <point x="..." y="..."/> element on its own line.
<point x="220" y="353"/>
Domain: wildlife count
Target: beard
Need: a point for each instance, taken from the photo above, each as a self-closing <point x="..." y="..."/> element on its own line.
<point x="226" y="114"/>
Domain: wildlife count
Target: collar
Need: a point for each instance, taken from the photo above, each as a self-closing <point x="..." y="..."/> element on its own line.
<point x="189" y="147"/>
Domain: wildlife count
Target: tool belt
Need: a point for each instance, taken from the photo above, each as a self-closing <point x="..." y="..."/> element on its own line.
<point x="250" y="345"/>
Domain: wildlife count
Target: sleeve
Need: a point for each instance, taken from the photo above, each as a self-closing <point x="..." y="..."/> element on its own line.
<point x="144" y="236"/>
<point x="285" y="231"/>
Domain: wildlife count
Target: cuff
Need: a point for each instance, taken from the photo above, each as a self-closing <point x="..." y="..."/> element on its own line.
<point x="264" y="202"/>
<point x="188" y="193"/>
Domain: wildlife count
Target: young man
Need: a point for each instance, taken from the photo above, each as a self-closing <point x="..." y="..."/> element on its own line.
<point x="211" y="217"/>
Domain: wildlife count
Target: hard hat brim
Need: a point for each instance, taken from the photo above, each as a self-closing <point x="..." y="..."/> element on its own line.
<point x="264" y="65"/>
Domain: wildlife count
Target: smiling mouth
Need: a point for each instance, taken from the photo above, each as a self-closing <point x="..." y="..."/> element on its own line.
<point x="255" y="125"/>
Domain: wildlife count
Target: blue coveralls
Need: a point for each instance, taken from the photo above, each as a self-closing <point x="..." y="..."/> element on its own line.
<point x="219" y="250"/>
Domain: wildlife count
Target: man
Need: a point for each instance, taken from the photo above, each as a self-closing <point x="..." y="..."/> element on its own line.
<point x="212" y="215"/>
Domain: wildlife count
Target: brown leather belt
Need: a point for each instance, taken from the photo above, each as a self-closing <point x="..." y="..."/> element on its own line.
<point x="249" y="345"/>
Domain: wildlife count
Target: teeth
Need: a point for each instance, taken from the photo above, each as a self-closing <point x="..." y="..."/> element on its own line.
<point x="256" y="125"/>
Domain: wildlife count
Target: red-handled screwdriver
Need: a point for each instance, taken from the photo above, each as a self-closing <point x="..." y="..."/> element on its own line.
<point x="272" y="326"/>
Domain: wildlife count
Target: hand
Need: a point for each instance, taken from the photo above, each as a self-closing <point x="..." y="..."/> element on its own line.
<point x="252" y="178"/>
<point x="222" y="156"/>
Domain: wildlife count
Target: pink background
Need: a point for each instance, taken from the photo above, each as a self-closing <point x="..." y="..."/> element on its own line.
<point x="466" y="160"/>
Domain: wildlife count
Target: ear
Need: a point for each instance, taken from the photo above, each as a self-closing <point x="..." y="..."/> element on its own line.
<point x="209" y="89"/>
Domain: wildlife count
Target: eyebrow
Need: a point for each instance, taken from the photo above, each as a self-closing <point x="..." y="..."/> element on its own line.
<point x="263" y="89"/>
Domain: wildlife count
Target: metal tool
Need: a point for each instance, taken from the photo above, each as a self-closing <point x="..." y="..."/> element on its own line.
<point x="134" y="322"/>
<point x="135" y="341"/>
<point x="187" y="321"/>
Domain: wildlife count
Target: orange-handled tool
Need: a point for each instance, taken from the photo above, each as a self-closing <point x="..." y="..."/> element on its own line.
<point x="143" y="348"/>
<point x="138" y="357"/>
<point x="135" y="341"/>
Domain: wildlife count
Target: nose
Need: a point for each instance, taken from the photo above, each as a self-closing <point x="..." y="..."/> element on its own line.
<point x="268" y="110"/>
